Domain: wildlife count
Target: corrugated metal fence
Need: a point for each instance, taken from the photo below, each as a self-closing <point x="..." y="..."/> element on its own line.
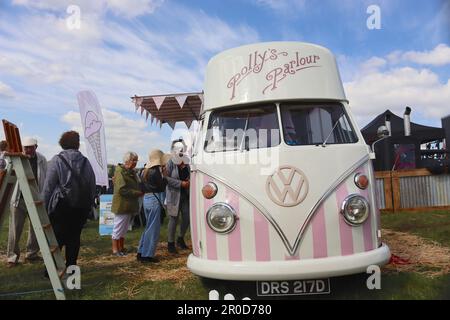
<point x="415" y="190"/>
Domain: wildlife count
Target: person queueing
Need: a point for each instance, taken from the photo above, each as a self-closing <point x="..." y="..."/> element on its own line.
<point x="154" y="184"/>
<point x="69" y="194"/>
<point x="125" y="203"/>
<point x="177" y="195"/>
<point x="19" y="211"/>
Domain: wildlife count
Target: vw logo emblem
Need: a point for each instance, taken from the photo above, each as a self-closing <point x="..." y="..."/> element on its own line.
<point x="287" y="186"/>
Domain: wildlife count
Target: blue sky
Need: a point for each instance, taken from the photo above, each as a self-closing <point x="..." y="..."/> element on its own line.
<point x="127" y="47"/>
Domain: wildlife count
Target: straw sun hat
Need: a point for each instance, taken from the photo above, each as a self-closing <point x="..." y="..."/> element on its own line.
<point x="157" y="158"/>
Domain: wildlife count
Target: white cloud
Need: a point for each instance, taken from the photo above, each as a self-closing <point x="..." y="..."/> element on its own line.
<point x="122" y="135"/>
<point x="372" y="64"/>
<point x="126" y="8"/>
<point x="439" y="56"/>
<point x="281" y="5"/>
<point x="6" y="91"/>
<point x="394" y="82"/>
<point x="372" y="93"/>
<point x="114" y="60"/>
<point x="288" y="8"/>
<point x="132" y="8"/>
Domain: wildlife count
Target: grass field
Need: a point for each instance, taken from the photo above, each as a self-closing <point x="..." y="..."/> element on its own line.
<point x="107" y="277"/>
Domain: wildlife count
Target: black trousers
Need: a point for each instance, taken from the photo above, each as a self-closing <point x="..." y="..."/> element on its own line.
<point x="67" y="224"/>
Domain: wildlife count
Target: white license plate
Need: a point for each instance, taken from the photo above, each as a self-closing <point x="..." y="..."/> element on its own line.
<point x="293" y="287"/>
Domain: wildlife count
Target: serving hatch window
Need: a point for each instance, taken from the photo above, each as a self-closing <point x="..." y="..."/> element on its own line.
<point x="243" y="129"/>
<point x="312" y="124"/>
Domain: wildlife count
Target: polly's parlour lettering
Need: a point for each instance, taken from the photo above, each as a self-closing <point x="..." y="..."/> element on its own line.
<point x="257" y="63"/>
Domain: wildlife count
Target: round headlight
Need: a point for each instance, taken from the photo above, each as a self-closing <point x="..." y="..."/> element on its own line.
<point x="355" y="209"/>
<point x="221" y="217"/>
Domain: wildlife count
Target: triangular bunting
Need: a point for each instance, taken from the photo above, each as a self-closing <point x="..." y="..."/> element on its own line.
<point x="181" y="100"/>
<point x="142" y="110"/>
<point x="188" y="123"/>
<point x="151" y="119"/>
<point x="146" y="115"/>
<point x="171" y="124"/>
<point x="158" y="101"/>
<point x="138" y="102"/>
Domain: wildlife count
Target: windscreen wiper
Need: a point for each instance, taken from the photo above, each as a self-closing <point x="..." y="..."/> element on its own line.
<point x="325" y="142"/>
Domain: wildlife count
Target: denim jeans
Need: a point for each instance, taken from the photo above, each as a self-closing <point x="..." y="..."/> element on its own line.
<point x="150" y="236"/>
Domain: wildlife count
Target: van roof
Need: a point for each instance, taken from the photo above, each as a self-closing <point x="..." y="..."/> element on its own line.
<point x="271" y="71"/>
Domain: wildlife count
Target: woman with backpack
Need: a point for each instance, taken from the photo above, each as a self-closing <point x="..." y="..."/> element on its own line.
<point x="69" y="193"/>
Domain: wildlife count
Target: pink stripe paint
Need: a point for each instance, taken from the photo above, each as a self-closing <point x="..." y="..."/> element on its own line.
<point x="345" y="230"/>
<point x="211" y="241"/>
<point x="234" y="238"/>
<point x="193" y="211"/>
<point x="292" y="258"/>
<point x="319" y="233"/>
<point x="367" y="226"/>
<point x="377" y="214"/>
<point x="262" y="242"/>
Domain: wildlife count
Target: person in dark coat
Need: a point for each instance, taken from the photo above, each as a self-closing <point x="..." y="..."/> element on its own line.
<point x="69" y="194"/>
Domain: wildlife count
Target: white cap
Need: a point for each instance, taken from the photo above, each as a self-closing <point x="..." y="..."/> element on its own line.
<point x="29" y="142"/>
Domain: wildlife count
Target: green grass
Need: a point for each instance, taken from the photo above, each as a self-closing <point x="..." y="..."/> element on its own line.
<point x="433" y="225"/>
<point x="100" y="282"/>
<point x="130" y="280"/>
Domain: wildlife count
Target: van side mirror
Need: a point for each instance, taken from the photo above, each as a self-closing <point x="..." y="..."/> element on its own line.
<point x="382" y="133"/>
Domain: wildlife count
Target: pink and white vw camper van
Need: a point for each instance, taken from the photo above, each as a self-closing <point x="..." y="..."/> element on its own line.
<point x="282" y="187"/>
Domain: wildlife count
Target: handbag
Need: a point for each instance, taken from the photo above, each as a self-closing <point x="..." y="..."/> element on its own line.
<point x="163" y="210"/>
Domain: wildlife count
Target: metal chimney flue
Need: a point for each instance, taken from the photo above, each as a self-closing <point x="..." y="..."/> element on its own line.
<point x="387" y="121"/>
<point x="407" y="121"/>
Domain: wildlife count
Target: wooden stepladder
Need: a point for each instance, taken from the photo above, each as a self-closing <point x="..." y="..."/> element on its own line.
<point x="19" y="170"/>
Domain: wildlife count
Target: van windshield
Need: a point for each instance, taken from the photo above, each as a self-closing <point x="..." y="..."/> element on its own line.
<point x="313" y="124"/>
<point x="243" y="129"/>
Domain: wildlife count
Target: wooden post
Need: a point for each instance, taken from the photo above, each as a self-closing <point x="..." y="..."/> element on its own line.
<point x="387" y="183"/>
<point x="396" y="191"/>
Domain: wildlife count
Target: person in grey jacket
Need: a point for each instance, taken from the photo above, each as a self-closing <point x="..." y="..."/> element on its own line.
<point x="3" y="146"/>
<point x="69" y="194"/>
<point x="177" y="195"/>
<point x="19" y="210"/>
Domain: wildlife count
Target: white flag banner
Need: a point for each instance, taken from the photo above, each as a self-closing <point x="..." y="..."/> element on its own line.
<point x="159" y="101"/>
<point x="181" y="100"/>
<point x="94" y="135"/>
